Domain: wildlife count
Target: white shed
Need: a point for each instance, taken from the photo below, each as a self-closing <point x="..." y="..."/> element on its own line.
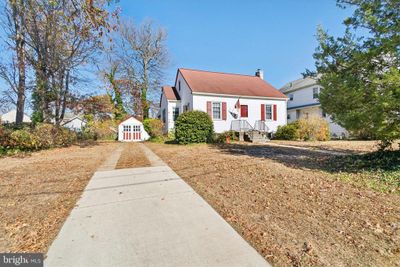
<point x="132" y="130"/>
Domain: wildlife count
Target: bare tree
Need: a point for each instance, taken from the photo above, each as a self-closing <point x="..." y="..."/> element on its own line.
<point x="143" y="55"/>
<point x="14" y="72"/>
<point x="61" y="36"/>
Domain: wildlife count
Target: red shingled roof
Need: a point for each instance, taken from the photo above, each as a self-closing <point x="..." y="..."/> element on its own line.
<point x="228" y="84"/>
<point x="171" y="93"/>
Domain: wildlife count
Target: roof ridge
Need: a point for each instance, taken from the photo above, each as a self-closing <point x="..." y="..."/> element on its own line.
<point x="219" y="72"/>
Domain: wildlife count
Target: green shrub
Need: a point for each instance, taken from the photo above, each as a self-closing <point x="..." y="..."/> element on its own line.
<point x="288" y="132"/>
<point x="154" y="127"/>
<point x="194" y="127"/>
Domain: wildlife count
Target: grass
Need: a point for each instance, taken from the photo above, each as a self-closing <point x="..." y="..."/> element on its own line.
<point x="377" y="170"/>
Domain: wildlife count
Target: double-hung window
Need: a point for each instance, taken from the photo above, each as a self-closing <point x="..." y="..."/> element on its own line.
<point x="216" y="110"/>
<point x="164" y="116"/>
<point x="268" y="112"/>
<point x="175" y="113"/>
<point x="315" y="92"/>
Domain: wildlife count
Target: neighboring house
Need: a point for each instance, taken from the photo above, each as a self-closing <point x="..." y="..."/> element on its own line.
<point x="132" y="130"/>
<point x="304" y="103"/>
<point x="233" y="101"/>
<point x="10" y="116"/>
<point x="74" y="123"/>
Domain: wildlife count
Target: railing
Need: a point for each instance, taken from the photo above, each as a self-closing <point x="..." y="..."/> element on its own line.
<point x="261" y="126"/>
<point x="241" y="126"/>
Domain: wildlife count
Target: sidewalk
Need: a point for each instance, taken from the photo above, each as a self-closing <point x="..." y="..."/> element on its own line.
<point x="147" y="217"/>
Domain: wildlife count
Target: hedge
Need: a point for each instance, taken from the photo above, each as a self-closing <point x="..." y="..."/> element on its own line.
<point x="304" y="129"/>
<point x="194" y="127"/>
<point x="42" y="136"/>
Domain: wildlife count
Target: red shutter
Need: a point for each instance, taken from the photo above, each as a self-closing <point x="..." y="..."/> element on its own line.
<point x="224" y="111"/>
<point x="263" y="112"/>
<point x="275" y="113"/>
<point x="209" y="108"/>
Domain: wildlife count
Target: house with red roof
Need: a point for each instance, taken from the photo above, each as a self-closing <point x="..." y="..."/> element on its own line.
<point x="244" y="103"/>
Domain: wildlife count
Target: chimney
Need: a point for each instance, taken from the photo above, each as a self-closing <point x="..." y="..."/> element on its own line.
<point x="260" y="74"/>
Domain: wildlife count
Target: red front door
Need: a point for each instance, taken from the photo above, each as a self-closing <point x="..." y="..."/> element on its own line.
<point x="244" y="111"/>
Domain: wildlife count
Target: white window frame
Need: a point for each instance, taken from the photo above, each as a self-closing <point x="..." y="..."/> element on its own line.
<point x="291" y="97"/>
<point x="220" y="110"/>
<point x="173" y="113"/>
<point x="315" y="94"/>
<point x="272" y="112"/>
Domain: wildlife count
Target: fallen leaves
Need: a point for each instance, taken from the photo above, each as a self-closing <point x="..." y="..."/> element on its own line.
<point x="38" y="192"/>
<point x="293" y="215"/>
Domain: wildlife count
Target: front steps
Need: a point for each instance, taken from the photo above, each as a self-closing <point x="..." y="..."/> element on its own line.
<point x="254" y="137"/>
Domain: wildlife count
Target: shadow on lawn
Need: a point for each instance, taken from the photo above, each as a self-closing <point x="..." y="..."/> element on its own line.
<point x="311" y="159"/>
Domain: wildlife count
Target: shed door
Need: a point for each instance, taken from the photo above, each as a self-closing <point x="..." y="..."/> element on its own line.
<point x="132" y="133"/>
<point x="136" y="132"/>
<point x="127" y="133"/>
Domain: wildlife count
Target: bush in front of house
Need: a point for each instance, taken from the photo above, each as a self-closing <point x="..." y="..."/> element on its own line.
<point x="154" y="127"/>
<point x="289" y="131"/>
<point x="313" y="128"/>
<point x="310" y="129"/>
<point x="194" y="127"/>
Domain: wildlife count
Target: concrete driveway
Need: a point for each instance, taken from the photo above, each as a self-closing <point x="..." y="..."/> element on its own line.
<point x="147" y="217"/>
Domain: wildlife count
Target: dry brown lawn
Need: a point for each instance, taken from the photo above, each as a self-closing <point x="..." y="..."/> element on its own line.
<point x="132" y="157"/>
<point x="283" y="203"/>
<point x="38" y="192"/>
<point x="336" y="145"/>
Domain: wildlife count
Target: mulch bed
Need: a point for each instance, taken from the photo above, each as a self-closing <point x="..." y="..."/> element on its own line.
<point x="38" y="192"/>
<point x="288" y="207"/>
<point x="132" y="157"/>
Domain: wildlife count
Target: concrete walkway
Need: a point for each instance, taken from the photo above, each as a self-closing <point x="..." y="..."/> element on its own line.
<point x="147" y="217"/>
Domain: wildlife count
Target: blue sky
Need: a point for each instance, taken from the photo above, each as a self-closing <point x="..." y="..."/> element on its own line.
<point x="236" y="36"/>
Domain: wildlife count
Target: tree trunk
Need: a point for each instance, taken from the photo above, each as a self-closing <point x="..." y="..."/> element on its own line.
<point x="18" y="17"/>
<point x="64" y="97"/>
<point x="143" y="95"/>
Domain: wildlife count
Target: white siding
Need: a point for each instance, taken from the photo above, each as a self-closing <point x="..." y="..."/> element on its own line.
<point x="76" y="124"/>
<point x="303" y="97"/>
<point x="254" y="110"/>
<point x="170" y="115"/>
<point x="185" y="93"/>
